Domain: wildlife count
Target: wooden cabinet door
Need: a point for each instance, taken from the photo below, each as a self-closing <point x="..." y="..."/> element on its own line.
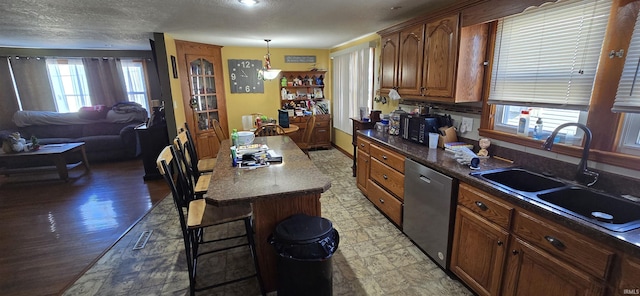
<point x="389" y="61"/>
<point x="202" y="82"/>
<point x="479" y="250"/>
<point x="362" y="174"/>
<point x="531" y="271"/>
<point x="441" y="52"/>
<point x="410" y="60"/>
<point x="321" y="137"/>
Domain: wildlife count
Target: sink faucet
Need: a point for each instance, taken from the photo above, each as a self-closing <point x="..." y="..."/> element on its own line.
<point x="583" y="171"/>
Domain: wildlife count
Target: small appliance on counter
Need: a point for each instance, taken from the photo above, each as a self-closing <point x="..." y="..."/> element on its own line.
<point x="417" y="127"/>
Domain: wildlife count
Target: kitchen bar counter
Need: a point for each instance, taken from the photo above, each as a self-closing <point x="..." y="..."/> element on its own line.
<point x="276" y="192"/>
<point x="443" y="161"/>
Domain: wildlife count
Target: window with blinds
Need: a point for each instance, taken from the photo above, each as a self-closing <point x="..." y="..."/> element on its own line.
<point x="545" y="60"/>
<point x="628" y="96"/>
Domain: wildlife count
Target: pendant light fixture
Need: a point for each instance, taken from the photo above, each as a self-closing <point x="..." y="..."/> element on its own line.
<point x="267" y="73"/>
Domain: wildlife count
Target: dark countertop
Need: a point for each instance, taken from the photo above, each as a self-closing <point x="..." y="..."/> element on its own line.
<point x="443" y="161"/>
<point x="295" y="176"/>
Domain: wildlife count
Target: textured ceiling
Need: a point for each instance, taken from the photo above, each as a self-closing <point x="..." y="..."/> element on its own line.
<point x="128" y="24"/>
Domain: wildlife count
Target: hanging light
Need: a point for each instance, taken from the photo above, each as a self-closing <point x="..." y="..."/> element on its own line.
<point x="267" y="73"/>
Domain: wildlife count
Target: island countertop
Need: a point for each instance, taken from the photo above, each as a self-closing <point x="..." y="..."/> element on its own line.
<point x="296" y="175"/>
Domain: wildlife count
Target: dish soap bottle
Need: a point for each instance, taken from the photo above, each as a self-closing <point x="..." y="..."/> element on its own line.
<point x="537" y="130"/>
<point x="523" y="124"/>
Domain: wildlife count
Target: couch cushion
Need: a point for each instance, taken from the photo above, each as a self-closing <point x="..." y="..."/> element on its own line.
<point x="102" y="143"/>
<point x="46" y="141"/>
<point x="51" y="131"/>
<point x="101" y="129"/>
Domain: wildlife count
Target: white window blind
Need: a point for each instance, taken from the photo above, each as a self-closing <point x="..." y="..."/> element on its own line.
<point x="628" y="96"/>
<point x="547" y="56"/>
<point x="352" y="85"/>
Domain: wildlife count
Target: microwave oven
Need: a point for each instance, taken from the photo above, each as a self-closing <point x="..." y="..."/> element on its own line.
<point x="416" y="128"/>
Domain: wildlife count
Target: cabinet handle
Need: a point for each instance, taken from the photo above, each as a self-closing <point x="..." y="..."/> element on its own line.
<point x="384" y="157"/>
<point x="361" y="145"/>
<point x="500" y="243"/>
<point x="481" y="205"/>
<point x="555" y="242"/>
<point x="384" y="177"/>
<point x="381" y="200"/>
<point x="514" y="252"/>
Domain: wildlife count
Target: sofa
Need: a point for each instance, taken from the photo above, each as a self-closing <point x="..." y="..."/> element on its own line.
<point x="107" y="137"/>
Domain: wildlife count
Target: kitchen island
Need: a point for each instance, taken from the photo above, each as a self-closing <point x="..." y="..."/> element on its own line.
<point x="276" y="192"/>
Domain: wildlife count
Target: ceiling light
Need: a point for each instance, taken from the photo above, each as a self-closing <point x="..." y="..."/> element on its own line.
<point x="248" y="2"/>
<point x="267" y="73"/>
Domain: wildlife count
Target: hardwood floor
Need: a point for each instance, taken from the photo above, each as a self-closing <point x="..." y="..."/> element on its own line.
<point x="52" y="230"/>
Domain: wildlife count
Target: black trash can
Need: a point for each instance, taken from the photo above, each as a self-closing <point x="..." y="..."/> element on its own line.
<point x="304" y="245"/>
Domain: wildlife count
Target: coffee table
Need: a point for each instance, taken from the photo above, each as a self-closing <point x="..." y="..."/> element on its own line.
<point x="52" y="153"/>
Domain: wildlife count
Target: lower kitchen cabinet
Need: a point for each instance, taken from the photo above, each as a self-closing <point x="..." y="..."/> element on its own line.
<point x="541" y="257"/>
<point x="380" y="177"/>
<point x="532" y="271"/>
<point x="630" y="280"/>
<point x="479" y="250"/>
<point x="363" y="159"/>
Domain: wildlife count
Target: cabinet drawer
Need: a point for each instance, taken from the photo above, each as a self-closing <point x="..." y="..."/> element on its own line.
<point x="323" y="117"/>
<point x="363" y="144"/>
<point x="387" y="157"/>
<point x="564" y="243"/>
<point x="388" y="204"/>
<point x="322" y="124"/>
<point x="485" y="205"/>
<point x="387" y="177"/>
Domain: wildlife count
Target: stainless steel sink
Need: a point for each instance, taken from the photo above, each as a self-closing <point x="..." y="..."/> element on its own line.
<point x="520" y="180"/>
<point x="608" y="211"/>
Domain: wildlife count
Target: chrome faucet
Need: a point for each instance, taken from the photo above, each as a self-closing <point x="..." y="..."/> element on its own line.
<point x="583" y="171"/>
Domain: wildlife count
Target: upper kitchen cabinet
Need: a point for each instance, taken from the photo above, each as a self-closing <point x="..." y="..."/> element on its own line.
<point x="441" y="52"/>
<point x="434" y="60"/>
<point x="402" y="56"/>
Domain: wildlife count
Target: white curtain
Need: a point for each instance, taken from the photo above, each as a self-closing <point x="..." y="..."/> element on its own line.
<point x="352" y="84"/>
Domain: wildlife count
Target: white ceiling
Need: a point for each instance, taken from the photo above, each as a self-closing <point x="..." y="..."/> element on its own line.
<point x="128" y="24"/>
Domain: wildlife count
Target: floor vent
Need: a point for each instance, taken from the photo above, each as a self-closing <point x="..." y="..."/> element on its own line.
<point x="142" y="240"/>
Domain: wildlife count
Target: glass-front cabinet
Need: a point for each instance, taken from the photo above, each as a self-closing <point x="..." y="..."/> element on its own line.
<point x="204" y="100"/>
<point x="202" y="83"/>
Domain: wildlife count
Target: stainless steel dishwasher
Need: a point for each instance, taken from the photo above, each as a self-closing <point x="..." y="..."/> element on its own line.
<point x="428" y="210"/>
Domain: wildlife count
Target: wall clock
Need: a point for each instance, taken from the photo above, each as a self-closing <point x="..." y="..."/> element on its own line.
<point x="243" y="76"/>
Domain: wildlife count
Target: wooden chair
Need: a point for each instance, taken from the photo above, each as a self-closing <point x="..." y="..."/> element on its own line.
<point x="269" y="129"/>
<point x="305" y="144"/>
<point x="196" y="185"/>
<point x="200" y="215"/>
<point x="201" y="166"/>
<point x="220" y="134"/>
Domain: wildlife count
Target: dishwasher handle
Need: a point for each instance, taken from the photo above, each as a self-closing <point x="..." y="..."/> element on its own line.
<point x="425" y="179"/>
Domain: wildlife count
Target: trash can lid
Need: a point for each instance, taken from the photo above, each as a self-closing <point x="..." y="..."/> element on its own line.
<point x="301" y="228"/>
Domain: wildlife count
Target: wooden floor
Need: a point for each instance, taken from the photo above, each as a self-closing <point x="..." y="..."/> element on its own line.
<point x="51" y="231"/>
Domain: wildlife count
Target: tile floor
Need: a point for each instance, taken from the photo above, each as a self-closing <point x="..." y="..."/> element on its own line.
<point x="374" y="257"/>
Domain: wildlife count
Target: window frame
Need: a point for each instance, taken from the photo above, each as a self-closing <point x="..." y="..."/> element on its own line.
<point x="605" y="125"/>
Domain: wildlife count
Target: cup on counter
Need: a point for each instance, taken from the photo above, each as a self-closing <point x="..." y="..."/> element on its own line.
<point x="433" y="140"/>
<point x="245" y="138"/>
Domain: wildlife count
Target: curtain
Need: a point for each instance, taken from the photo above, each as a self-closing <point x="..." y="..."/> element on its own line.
<point x="8" y="99"/>
<point x="32" y="83"/>
<point x="352" y="85"/>
<point x="105" y="81"/>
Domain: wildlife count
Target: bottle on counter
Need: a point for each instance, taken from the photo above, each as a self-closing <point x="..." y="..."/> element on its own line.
<point x="537" y="130"/>
<point x="234" y="137"/>
<point x="523" y="124"/>
<point x="394" y="121"/>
